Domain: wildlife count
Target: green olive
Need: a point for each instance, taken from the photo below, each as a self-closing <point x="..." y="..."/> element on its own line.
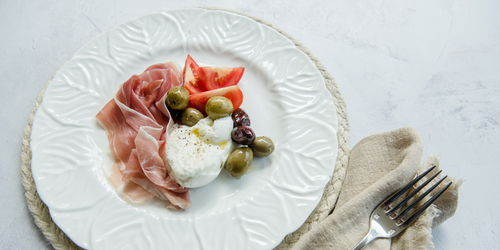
<point x="191" y="116"/>
<point x="218" y="107"/>
<point x="238" y="162"/>
<point x="178" y="98"/>
<point x="262" y="146"/>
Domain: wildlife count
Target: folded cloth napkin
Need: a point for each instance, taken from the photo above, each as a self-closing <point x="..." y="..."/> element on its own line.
<point x="379" y="165"/>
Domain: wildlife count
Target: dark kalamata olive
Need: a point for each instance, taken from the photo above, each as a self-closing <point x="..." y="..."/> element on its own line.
<point x="240" y="118"/>
<point x="243" y="135"/>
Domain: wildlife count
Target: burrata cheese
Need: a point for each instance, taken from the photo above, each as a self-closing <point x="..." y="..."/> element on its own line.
<point x="197" y="154"/>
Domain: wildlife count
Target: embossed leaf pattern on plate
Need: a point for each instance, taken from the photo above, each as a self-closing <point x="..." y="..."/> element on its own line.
<point x="284" y="94"/>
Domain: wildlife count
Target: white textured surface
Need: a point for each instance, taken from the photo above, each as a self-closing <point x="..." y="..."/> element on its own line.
<point x="284" y="94"/>
<point x="428" y="64"/>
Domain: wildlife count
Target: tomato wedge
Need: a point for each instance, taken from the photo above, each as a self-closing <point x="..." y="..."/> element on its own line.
<point x="219" y="77"/>
<point x="190" y="77"/>
<point x="198" y="79"/>
<point x="232" y="93"/>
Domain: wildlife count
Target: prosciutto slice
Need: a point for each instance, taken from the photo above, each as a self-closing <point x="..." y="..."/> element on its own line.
<point x="137" y="123"/>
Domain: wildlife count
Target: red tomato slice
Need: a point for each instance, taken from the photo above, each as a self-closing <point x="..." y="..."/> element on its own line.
<point x="190" y="77"/>
<point x="232" y="93"/>
<point x="219" y="77"/>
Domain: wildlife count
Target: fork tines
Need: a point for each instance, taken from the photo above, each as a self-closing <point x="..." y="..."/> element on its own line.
<point x="391" y="211"/>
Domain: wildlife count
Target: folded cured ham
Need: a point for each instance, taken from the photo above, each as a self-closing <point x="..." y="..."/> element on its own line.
<point x="138" y="123"/>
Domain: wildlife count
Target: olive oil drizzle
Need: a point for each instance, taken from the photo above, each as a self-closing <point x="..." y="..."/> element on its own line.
<point x="221" y="145"/>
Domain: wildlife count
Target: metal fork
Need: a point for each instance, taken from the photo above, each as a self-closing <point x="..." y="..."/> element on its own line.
<point x="386" y="220"/>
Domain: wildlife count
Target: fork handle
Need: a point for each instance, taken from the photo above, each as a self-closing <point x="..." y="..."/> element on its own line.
<point x="367" y="239"/>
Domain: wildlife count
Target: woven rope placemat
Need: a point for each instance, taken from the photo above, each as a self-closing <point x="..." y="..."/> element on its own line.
<point x="59" y="240"/>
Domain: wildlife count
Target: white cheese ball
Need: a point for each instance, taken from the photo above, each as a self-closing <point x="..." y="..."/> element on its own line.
<point x="197" y="154"/>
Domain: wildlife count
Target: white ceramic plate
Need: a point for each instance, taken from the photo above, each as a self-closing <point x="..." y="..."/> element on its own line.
<point x="284" y="94"/>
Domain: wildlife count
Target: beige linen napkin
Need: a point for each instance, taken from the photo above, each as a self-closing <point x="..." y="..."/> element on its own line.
<point x="378" y="166"/>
